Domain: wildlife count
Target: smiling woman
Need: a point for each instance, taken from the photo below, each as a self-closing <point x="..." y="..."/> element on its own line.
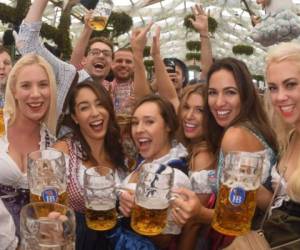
<point x="93" y="141"/>
<point x="153" y="128"/>
<point x="236" y="121"/>
<point x="30" y="117"/>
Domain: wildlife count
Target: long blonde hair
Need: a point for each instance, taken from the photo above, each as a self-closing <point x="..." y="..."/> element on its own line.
<point x="10" y="105"/>
<point x="285" y="52"/>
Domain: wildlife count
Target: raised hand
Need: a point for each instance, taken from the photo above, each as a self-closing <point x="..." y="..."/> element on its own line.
<point x="139" y="38"/>
<point x="155" y="48"/>
<point x="201" y="19"/>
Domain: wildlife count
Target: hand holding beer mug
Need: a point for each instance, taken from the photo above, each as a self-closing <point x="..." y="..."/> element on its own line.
<point x="47" y="176"/>
<point x="152" y="195"/>
<point x="236" y="201"/>
<point x="47" y="226"/>
<point x="101" y="14"/>
<point x="100" y="198"/>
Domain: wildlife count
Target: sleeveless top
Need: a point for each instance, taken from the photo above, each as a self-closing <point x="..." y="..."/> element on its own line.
<point x="269" y="160"/>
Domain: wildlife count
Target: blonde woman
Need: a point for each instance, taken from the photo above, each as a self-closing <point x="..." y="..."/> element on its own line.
<point x="30" y="119"/>
<point x="283" y="78"/>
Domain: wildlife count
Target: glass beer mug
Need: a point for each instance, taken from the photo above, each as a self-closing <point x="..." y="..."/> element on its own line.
<point x="100" y="198"/>
<point x="100" y="15"/>
<point x="47" y="176"/>
<point x="101" y="12"/>
<point x="152" y="195"/>
<point x="47" y="226"/>
<point x="236" y="202"/>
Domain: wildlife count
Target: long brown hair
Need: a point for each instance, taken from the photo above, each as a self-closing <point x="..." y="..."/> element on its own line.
<point x="251" y="111"/>
<point x="112" y="143"/>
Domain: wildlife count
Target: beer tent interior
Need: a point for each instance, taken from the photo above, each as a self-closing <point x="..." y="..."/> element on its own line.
<point x="234" y="25"/>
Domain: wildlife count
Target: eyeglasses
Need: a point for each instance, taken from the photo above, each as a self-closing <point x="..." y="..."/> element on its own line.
<point x="98" y="52"/>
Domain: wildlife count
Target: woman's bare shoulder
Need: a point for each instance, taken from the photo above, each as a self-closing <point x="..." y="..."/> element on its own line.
<point x="239" y="138"/>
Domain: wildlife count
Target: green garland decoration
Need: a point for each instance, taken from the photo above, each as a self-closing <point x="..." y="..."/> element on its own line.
<point x="146" y="52"/>
<point x="242" y="49"/>
<point x="21" y="10"/>
<point x="62" y="37"/>
<point x="193" y="45"/>
<point x="193" y="56"/>
<point x="148" y="64"/>
<point x="194" y="67"/>
<point x="7" y="13"/>
<point x="212" y="23"/>
<point x="258" y="78"/>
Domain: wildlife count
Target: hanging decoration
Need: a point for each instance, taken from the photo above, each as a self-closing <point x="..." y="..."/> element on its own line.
<point x="241" y="49"/>
<point x="193" y="45"/>
<point x="193" y="56"/>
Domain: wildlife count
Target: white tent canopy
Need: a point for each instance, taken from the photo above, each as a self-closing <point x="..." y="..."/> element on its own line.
<point x="234" y="25"/>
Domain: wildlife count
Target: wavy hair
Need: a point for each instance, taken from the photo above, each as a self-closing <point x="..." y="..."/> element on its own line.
<point x="251" y="110"/>
<point x="289" y="52"/>
<point x="11" y="106"/>
<point x="112" y="143"/>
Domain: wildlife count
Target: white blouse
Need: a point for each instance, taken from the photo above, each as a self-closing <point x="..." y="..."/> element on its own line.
<point x="11" y="174"/>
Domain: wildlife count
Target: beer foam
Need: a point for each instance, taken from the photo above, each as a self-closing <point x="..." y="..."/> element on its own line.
<point x="247" y="186"/>
<point x="100" y="205"/>
<point x="153" y="203"/>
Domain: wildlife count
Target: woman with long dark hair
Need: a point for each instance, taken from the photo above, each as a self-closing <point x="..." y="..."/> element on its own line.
<point x="94" y="141"/>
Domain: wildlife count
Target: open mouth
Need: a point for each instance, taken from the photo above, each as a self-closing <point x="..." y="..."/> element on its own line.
<point x="96" y="125"/>
<point x="99" y="66"/>
<point x="222" y="113"/>
<point x="144" y="143"/>
<point x="35" y="105"/>
<point x="287" y="109"/>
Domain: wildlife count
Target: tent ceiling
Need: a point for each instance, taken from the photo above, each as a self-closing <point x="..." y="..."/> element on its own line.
<point x="234" y="25"/>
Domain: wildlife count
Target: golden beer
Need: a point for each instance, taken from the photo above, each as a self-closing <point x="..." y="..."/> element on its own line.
<point x="149" y="220"/>
<point x="98" y="23"/>
<point x="234" y="210"/>
<point x="101" y="218"/>
<point x="62" y="198"/>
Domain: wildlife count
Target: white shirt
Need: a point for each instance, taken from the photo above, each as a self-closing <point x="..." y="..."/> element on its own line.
<point x="8" y="240"/>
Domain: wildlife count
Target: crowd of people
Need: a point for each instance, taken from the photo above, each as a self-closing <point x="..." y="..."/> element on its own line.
<point x="129" y="121"/>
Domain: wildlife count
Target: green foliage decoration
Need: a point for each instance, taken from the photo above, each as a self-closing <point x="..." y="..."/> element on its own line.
<point x="194" y="67"/>
<point x="148" y="64"/>
<point x="193" y="56"/>
<point x="193" y="45"/>
<point x="146" y="52"/>
<point x="242" y="49"/>
<point x="212" y="23"/>
<point x="258" y="78"/>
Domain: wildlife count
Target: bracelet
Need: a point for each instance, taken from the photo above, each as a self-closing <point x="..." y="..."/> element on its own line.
<point x="204" y="36"/>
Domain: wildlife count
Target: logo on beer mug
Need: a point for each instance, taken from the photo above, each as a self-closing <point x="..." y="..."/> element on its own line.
<point x="50" y="195"/>
<point x="236" y="202"/>
<point x="237" y="196"/>
<point x="149" y="214"/>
